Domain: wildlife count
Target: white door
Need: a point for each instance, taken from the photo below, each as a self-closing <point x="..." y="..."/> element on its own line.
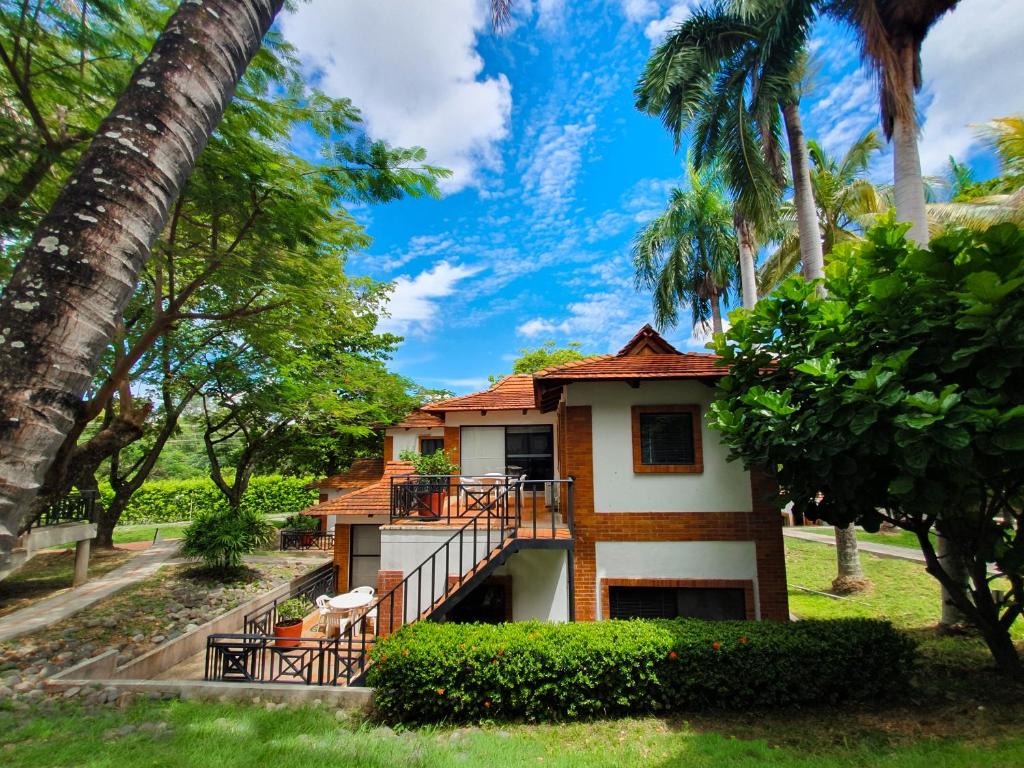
<point x="482" y="450"/>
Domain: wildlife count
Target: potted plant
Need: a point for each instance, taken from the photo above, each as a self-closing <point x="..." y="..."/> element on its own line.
<point x="288" y="626"/>
<point x="431" y="484"/>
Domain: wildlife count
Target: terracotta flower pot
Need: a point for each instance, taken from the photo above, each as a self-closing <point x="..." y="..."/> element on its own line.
<point x="290" y="630"/>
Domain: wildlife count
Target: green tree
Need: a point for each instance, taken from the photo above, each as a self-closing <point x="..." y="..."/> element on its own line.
<point x="687" y="255"/>
<point x="891" y="33"/>
<point x="60" y="308"/>
<point x="845" y="199"/>
<point x="546" y="355"/>
<point x="898" y="397"/>
<point x="731" y="72"/>
<point x="979" y="205"/>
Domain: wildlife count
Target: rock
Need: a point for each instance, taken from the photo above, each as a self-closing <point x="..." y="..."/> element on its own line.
<point x="49" y="670"/>
<point x="71" y="692"/>
<point x="110" y="622"/>
<point x="5" y="692"/>
<point x="340" y="715"/>
<point x="157" y="639"/>
<point x="138" y="638"/>
<point x="191" y="627"/>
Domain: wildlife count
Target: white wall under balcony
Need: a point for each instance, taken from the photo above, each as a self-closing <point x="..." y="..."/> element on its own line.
<point x="540" y="584"/>
<point x="409" y="439"/>
<point x="723" y="486"/>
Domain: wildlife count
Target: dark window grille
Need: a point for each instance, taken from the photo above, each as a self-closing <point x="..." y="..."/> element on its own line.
<point x="667" y="438"/>
<point x="713" y="603"/>
<point x="431" y="445"/>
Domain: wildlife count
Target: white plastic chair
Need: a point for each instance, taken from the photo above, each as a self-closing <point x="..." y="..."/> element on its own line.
<point x="365" y="591"/>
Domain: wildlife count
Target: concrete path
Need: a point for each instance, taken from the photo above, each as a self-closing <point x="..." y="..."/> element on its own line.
<point x="54" y="609"/>
<point x="882" y="550"/>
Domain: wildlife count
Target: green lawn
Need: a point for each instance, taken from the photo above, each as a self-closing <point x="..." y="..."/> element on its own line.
<point x="49" y="573"/>
<point x="896" y="538"/>
<point x="145" y="533"/>
<point x="204" y="734"/>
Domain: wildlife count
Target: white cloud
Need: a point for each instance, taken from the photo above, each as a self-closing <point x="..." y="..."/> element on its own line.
<point x="413" y="69"/>
<point x="641" y="203"/>
<point x="973" y="68"/>
<point x="536" y="327"/>
<point x="550" y="177"/>
<point x="657" y="29"/>
<point x="640" y="10"/>
<point x="413" y="305"/>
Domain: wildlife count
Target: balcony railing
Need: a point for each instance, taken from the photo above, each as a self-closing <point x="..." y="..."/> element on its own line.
<point x="322" y="581"/>
<point x="77" y="507"/>
<point x="305" y="541"/>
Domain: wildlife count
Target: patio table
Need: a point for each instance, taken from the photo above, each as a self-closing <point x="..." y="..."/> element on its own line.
<point x="349" y="601"/>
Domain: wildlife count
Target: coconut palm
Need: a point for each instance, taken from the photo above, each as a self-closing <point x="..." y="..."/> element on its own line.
<point x="891" y="33"/>
<point x="982" y="205"/>
<point x="688" y="254"/>
<point x="732" y="73"/>
<point x="62" y="304"/>
<point x="845" y="199"/>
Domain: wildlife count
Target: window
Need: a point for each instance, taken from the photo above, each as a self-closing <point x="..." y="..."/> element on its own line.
<point x="713" y="603"/>
<point x="431" y="445"/>
<point x="530" y="451"/>
<point x="666" y="438"/>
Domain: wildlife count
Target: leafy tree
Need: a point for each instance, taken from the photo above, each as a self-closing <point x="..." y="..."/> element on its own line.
<point x="687" y="254"/>
<point x="845" y="200"/>
<point x="899" y="397"/>
<point x="547" y="355"/>
<point x="731" y="72"/>
<point x="60" y="308"/>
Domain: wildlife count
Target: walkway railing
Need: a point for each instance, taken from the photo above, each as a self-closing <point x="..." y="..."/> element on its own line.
<point x="304" y="541"/>
<point x="77" y="507"/>
<point x="257" y="658"/>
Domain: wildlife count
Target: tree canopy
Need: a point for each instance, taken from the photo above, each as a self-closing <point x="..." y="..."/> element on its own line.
<point x="898" y="397"/>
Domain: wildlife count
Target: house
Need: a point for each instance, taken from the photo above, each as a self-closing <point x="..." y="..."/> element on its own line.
<point x="587" y="491"/>
<point x="362" y="473"/>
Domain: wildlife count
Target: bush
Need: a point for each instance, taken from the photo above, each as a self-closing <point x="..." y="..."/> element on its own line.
<point x="169" y="501"/>
<point x="219" y="539"/>
<point x="430" y="672"/>
<point x="301" y="523"/>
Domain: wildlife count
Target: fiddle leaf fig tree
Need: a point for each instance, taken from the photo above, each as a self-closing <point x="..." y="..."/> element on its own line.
<point x="898" y="397"/>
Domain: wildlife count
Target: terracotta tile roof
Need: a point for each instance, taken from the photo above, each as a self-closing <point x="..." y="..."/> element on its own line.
<point x="372" y="500"/>
<point x="511" y="393"/>
<point x="420" y="418"/>
<point x="360" y="474"/>
<point x="646" y="356"/>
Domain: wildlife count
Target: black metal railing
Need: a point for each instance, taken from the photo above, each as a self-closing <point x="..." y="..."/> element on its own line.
<point x="77" y="507"/>
<point x="459" y="561"/>
<point x="302" y="540"/>
<point x="322" y="581"/>
<point x="258" y="658"/>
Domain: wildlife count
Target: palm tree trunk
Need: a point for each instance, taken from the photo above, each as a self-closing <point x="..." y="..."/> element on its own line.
<point x="748" y="250"/>
<point x="716" y="312"/>
<point x="811" y="258"/>
<point x="906" y="162"/>
<point x="851" y="576"/>
<point x="60" y="308"/>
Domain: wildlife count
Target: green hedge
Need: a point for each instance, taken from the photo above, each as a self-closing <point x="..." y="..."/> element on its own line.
<point x="167" y="501"/>
<point x="430" y="672"/>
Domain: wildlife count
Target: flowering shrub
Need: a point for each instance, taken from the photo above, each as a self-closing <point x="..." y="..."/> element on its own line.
<point x="431" y="672"/>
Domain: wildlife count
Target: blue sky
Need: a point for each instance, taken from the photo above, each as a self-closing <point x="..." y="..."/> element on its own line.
<point x="554" y="170"/>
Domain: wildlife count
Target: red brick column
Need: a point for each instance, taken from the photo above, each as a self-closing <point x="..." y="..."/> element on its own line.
<point x="342" y="542"/>
<point x="453" y="444"/>
<point x="389" y="448"/>
<point x="389" y="611"/>
<point x="766" y="526"/>
<point x="579" y="463"/>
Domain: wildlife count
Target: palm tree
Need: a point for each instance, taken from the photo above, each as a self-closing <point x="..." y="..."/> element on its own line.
<point x="59" y="310"/>
<point x="982" y="205"/>
<point x="688" y="254"/>
<point x="845" y="201"/>
<point x="732" y="73"/>
<point x="891" y="33"/>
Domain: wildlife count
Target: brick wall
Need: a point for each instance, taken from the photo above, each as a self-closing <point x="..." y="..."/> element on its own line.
<point x="763" y="525"/>
<point x="389" y="611"/>
<point x="389" y="448"/>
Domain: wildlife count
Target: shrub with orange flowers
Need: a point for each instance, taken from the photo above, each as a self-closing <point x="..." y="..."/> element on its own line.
<point x="532" y="671"/>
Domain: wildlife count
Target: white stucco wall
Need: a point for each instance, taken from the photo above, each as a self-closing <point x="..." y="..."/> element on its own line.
<point x="677" y="560"/>
<point x="722" y="487"/>
<point x="403" y="548"/>
<point x="409" y="439"/>
<point x="540" y="584"/>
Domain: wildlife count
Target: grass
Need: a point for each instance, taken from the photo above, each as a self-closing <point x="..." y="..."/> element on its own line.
<point x="50" y="573"/>
<point x="145" y="533"/>
<point x="200" y="734"/>
<point x="895" y="538"/>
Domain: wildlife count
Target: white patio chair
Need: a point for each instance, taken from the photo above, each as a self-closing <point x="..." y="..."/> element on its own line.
<point x="365" y="591"/>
